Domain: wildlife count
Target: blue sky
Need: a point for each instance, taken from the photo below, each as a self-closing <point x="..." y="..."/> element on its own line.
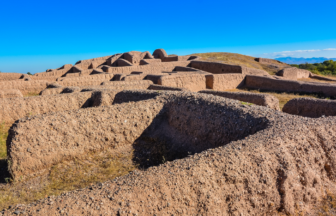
<point x="37" y="35"/>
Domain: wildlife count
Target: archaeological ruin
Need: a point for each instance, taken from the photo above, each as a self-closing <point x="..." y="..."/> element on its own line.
<point x="204" y="145"/>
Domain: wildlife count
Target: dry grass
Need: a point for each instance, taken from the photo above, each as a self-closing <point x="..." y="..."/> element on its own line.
<point x="68" y="176"/>
<point x="242" y="60"/>
<point x="328" y="205"/>
<point x="3" y="137"/>
<point x="31" y="94"/>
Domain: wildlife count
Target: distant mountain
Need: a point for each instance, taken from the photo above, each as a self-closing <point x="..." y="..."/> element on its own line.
<point x="291" y="60"/>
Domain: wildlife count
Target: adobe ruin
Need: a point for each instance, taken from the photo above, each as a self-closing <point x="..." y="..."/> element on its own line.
<point x="225" y="152"/>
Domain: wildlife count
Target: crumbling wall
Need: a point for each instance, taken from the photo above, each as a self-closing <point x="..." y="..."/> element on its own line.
<point x="266" y="83"/>
<point x="90" y="77"/>
<point x="12" y="109"/>
<point x="150" y="61"/>
<point x="255" y="98"/>
<point x="92" y="63"/>
<point x="25" y="87"/>
<point x="83" y="82"/>
<point x="118" y="125"/>
<point x="149" y="69"/>
<point x="133" y="77"/>
<point x="123" y="63"/>
<point x="192" y="82"/>
<point x="53" y="73"/>
<point x="221" y="82"/>
<point x="310" y="107"/>
<point x="294" y="73"/>
<point x="267" y="61"/>
<point x="220" y="68"/>
<point x="129" y="83"/>
<point x="52" y="91"/>
<point x="9" y="76"/>
<point x="10" y="93"/>
<point x="165" y="88"/>
<point x="288" y="73"/>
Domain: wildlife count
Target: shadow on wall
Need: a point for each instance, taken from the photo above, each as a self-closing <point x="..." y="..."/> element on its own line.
<point x="183" y="129"/>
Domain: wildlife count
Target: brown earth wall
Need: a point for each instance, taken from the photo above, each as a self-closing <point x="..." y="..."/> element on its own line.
<point x="52" y="91"/>
<point x="85" y="64"/>
<point x="294" y="73"/>
<point x="89" y="77"/>
<point x="149" y="69"/>
<point x="133" y="77"/>
<point x="45" y="78"/>
<point x="9" y="76"/>
<point x="123" y="63"/>
<point x="25" y="87"/>
<point x="192" y="82"/>
<point x="10" y="93"/>
<point x="220" y="68"/>
<point x="165" y="88"/>
<point x="310" y="107"/>
<point x="221" y="82"/>
<point x="84" y="82"/>
<point x="288" y="73"/>
<point x="12" y="109"/>
<point x="266" y="83"/>
<point x="258" y="99"/>
<point x="54" y="73"/>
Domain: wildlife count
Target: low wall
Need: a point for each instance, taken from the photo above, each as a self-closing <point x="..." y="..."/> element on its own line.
<point x="310" y="107"/>
<point x="13" y="109"/>
<point x="294" y="73"/>
<point x="123" y="63"/>
<point x="52" y="91"/>
<point x="266" y="83"/>
<point x="10" y="93"/>
<point x="54" y="73"/>
<point x="288" y="73"/>
<point x="128" y="83"/>
<point x="9" y="76"/>
<point x="149" y="69"/>
<point x="192" y="82"/>
<point x="85" y="78"/>
<point x="258" y="99"/>
<point x="150" y="61"/>
<point x="221" y="82"/>
<point x="79" y="134"/>
<point x="165" y="88"/>
<point x="133" y="77"/>
<point x="220" y="68"/>
<point x="81" y="82"/>
<point x="25" y="87"/>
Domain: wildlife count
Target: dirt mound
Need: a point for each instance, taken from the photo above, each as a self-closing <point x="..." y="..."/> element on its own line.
<point x="224" y="158"/>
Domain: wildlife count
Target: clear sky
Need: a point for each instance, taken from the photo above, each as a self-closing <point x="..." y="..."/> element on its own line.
<point x="36" y="35"/>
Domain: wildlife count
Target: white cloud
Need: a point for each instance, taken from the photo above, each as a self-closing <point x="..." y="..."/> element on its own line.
<point x="294" y="52"/>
